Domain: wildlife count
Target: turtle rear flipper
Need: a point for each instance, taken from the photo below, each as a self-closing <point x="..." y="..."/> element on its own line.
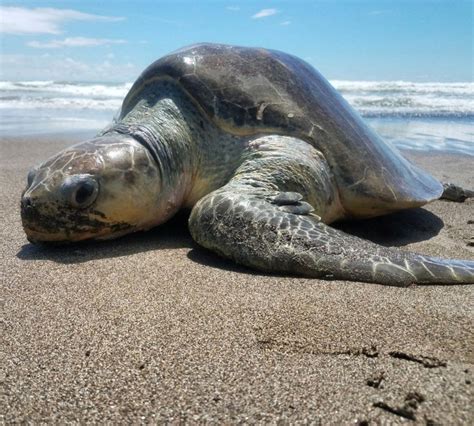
<point x="245" y="226"/>
<point x="452" y="192"/>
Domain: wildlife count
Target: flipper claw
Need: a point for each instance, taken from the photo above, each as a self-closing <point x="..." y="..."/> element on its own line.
<point x="287" y="198"/>
<point x="301" y="207"/>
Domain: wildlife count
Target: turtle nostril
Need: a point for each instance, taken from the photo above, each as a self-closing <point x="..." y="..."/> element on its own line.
<point x="25" y="202"/>
<point x="27" y="209"/>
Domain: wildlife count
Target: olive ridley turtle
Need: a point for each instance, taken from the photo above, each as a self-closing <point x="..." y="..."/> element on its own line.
<point x="266" y="153"/>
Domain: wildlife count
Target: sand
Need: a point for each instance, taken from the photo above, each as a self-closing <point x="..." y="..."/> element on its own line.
<point x="153" y="328"/>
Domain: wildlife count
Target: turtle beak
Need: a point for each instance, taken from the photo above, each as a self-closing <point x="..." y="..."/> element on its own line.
<point x="37" y="226"/>
<point x="42" y="225"/>
<point x="30" y="218"/>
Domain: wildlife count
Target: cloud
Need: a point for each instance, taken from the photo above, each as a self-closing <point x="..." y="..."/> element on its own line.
<point x="74" y="42"/>
<point x="49" y="67"/>
<point x="285" y="23"/>
<point x="20" y="20"/>
<point x="233" y="8"/>
<point x="264" y="13"/>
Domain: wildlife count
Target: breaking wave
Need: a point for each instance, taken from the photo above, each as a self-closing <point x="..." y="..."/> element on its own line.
<point x="402" y="98"/>
<point x="370" y="98"/>
<point x="410" y="115"/>
<point x="47" y="89"/>
<point x="72" y="103"/>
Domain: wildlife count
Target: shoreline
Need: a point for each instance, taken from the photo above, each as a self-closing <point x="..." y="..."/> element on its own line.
<point x="444" y="135"/>
<point x="152" y="328"/>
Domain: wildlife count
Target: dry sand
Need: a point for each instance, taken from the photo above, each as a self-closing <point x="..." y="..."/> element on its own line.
<point x="153" y="328"/>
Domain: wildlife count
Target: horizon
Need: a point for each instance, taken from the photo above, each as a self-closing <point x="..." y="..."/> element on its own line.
<point x="332" y="81"/>
<point x="85" y="42"/>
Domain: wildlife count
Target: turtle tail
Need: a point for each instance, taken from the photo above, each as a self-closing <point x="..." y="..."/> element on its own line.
<point x="247" y="226"/>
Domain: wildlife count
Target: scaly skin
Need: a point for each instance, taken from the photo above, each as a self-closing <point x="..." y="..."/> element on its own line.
<point x="264" y="201"/>
<point x="161" y="156"/>
<point x="259" y="220"/>
<point x="127" y="181"/>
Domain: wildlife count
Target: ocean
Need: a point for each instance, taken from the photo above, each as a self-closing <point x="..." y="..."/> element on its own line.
<point x="417" y="116"/>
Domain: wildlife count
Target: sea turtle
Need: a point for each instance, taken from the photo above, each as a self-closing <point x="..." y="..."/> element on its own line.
<point x="265" y="152"/>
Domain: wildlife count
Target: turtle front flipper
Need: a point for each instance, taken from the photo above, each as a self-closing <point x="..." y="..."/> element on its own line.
<point x="271" y="215"/>
<point x="243" y="224"/>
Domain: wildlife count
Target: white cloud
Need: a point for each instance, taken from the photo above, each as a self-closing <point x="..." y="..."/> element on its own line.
<point x="74" y="42"/>
<point x="20" y="20"/>
<point x="264" y="13"/>
<point x="49" y="67"/>
<point x="285" y="23"/>
<point x="233" y="8"/>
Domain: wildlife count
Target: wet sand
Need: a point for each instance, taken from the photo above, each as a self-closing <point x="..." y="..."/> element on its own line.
<point x="153" y="328"/>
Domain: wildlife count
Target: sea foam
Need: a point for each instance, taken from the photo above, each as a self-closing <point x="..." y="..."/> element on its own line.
<point x="370" y="98"/>
<point x="402" y="98"/>
<point x="408" y="114"/>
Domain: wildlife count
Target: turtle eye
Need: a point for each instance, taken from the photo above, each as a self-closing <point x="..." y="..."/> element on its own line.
<point x="80" y="190"/>
<point x="83" y="194"/>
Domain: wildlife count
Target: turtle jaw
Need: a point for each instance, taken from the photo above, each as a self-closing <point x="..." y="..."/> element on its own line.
<point x="60" y="238"/>
<point x="37" y="236"/>
<point x="48" y="223"/>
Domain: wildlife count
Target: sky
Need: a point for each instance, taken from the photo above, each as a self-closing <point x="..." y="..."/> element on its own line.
<point x="114" y="40"/>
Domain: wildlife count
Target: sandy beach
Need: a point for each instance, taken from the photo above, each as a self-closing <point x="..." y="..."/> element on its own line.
<point x="152" y="328"/>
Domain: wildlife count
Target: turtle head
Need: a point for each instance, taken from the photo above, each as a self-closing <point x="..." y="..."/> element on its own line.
<point x="102" y="188"/>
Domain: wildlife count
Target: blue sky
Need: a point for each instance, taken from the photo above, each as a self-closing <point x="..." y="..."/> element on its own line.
<point x="84" y="40"/>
